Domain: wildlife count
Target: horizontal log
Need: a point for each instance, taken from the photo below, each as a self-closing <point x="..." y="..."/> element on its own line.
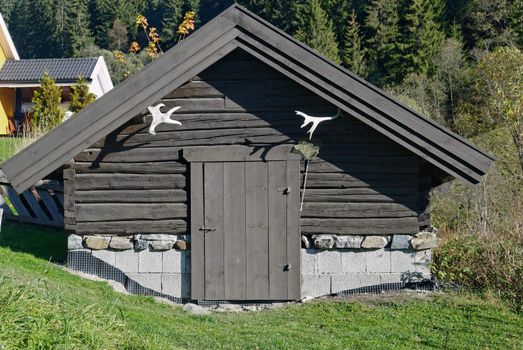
<point x="129" y="211"/>
<point x="131" y="168"/>
<point x="132" y="227"/>
<point x="128" y="155"/>
<point x="196" y="121"/>
<point x="356" y="210"/>
<point x="367" y="226"/>
<point x="176" y="138"/>
<point x="401" y="195"/>
<point x="321" y="166"/>
<point x="239" y="70"/>
<point x="128" y="182"/>
<point x="131" y="196"/>
<point x="194" y="89"/>
<point x="342" y="180"/>
<point x="238" y="153"/>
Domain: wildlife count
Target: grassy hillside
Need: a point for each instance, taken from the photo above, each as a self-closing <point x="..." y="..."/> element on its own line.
<point x="42" y="306"/>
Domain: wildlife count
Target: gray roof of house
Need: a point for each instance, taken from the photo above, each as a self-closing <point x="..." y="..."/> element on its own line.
<point x="62" y="70"/>
<point x="238" y="28"/>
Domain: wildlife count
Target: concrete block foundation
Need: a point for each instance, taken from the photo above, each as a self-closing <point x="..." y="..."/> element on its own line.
<point x="323" y="271"/>
<point x="327" y="272"/>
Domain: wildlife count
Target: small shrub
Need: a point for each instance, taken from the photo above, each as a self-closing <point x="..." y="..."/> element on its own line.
<point x="80" y="95"/>
<point x="47" y="112"/>
<point x="492" y="263"/>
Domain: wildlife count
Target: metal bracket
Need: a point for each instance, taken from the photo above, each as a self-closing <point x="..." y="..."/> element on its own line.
<point x="285" y="267"/>
<point x="285" y="190"/>
<point x="207" y="229"/>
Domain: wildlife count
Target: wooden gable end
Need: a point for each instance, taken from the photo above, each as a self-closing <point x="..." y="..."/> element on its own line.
<point x="133" y="182"/>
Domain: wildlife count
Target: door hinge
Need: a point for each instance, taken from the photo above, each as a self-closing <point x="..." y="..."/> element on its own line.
<point x="207" y="229"/>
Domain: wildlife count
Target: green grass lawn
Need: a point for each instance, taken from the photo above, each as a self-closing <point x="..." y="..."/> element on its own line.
<point x="42" y="306"/>
<point x="8" y="147"/>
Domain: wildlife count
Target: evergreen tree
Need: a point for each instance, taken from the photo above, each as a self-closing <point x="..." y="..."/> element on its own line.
<point x="315" y="29"/>
<point x="172" y="14"/>
<point x="487" y="24"/>
<point x="353" y="52"/>
<point x="421" y="37"/>
<point x="80" y="95"/>
<point x="73" y="33"/>
<point x="103" y="15"/>
<point x="382" y="39"/>
<point x="47" y="112"/>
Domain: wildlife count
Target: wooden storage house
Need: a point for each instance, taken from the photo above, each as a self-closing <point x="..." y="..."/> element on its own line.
<point x="210" y="209"/>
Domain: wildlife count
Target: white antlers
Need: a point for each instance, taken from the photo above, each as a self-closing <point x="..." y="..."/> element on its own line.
<point x="159" y="117"/>
<point x="315" y="121"/>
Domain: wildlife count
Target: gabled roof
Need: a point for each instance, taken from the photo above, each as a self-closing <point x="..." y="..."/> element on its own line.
<point x="235" y="28"/>
<point x="62" y="70"/>
<point x="6" y="42"/>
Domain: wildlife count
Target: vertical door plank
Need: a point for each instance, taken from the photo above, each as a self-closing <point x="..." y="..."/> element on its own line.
<point x="234" y="231"/>
<point x="293" y="230"/>
<point x="197" y="236"/>
<point x="214" y="254"/>
<point x="257" y="229"/>
<point x="277" y="182"/>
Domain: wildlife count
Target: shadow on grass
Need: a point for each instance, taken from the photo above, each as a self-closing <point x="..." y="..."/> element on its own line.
<point x="42" y="242"/>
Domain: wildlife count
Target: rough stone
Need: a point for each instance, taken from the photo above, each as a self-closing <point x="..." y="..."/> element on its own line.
<point x="196" y="309"/>
<point x="161" y="245"/>
<point x="120" y="243"/>
<point x="228" y="308"/>
<point x="305" y="243"/>
<point x="353" y="242"/>
<point x="181" y="245"/>
<point x="250" y="308"/>
<point x="424" y="240"/>
<point x="401" y="242"/>
<point x="158" y="237"/>
<point x="374" y="242"/>
<point x="97" y="242"/>
<point x="140" y="245"/>
<point x="323" y="241"/>
<point x="74" y="242"/>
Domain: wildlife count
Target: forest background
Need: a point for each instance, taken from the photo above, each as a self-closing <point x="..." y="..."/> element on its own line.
<point x="458" y="62"/>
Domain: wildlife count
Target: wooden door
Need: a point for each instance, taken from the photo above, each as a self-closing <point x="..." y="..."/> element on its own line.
<point x="245" y="230"/>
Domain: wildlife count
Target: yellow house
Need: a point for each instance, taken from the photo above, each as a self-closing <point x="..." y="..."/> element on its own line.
<point x="7" y="95"/>
<point x="20" y="77"/>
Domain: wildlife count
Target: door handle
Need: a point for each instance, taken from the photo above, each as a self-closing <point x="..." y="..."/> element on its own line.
<point x="206" y="229"/>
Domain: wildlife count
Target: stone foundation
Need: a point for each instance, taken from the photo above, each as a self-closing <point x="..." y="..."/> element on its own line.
<point x="161" y="264"/>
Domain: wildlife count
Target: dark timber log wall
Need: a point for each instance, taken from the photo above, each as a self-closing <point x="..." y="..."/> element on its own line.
<point x="133" y="182"/>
